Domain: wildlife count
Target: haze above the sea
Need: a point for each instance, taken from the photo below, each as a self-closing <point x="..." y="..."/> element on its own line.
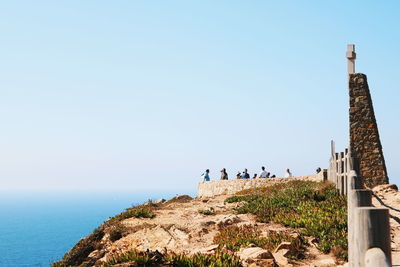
<point x="101" y="96"/>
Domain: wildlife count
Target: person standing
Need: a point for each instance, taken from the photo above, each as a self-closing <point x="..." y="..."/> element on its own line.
<point x="245" y="174"/>
<point x="224" y="174"/>
<point x="206" y="175"/>
<point x="288" y="174"/>
<point x="263" y="173"/>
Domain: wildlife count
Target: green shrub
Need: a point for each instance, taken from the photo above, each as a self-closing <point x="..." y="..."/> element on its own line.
<point x="140" y="258"/>
<point x="316" y="208"/>
<point x="233" y="238"/>
<point x="206" y="212"/>
<point x="149" y="258"/>
<point x="180" y="199"/>
<point x="135" y="212"/>
<point x="219" y="259"/>
<point x="115" y="235"/>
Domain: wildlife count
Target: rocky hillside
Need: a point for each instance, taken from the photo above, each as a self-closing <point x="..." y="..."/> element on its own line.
<point x="298" y="223"/>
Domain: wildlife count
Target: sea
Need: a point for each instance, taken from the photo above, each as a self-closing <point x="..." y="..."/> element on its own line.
<point x="37" y="229"/>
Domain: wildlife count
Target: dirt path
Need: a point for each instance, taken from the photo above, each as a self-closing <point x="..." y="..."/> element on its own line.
<point x="387" y="196"/>
<point x="181" y="228"/>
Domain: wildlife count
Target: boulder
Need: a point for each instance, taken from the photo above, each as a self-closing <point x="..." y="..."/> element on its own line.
<point x="208" y="250"/>
<point x="250" y="255"/>
<point x="329" y="262"/>
<point x="284" y="245"/>
<point x="160" y="201"/>
<point x="228" y="220"/>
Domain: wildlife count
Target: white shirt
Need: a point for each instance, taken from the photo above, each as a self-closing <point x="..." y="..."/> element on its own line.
<point x="263" y="174"/>
<point x="288" y="174"/>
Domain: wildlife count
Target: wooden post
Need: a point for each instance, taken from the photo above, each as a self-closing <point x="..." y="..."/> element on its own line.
<point x="376" y="257"/>
<point x="351" y="161"/>
<point x="354" y="181"/>
<point x="371" y="230"/>
<point x="355" y="198"/>
<point x="336" y="170"/>
<point x="346" y="170"/>
<point x="360" y="198"/>
<point x="340" y="173"/>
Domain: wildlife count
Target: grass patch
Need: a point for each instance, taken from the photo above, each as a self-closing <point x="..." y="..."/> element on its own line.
<point x="135" y="212"/>
<point x="117" y="232"/>
<point x="314" y="207"/>
<point x="180" y="199"/>
<point x="206" y="212"/>
<point x="234" y="237"/>
<point x="149" y="258"/>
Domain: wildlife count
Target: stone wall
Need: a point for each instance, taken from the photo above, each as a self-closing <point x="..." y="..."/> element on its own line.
<point x="228" y="187"/>
<point x="365" y="143"/>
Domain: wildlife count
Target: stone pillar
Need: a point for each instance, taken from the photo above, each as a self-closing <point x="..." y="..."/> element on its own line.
<point x="365" y="144"/>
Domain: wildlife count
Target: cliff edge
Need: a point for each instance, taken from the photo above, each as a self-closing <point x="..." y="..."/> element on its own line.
<point x="287" y="222"/>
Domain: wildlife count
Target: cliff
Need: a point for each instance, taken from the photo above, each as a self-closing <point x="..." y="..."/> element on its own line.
<point x="285" y="222"/>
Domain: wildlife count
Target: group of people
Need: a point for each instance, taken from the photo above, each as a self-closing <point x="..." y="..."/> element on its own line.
<point x="245" y="174"/>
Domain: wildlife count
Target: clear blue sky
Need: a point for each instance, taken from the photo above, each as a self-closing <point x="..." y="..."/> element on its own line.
<point x="139" y="95"/>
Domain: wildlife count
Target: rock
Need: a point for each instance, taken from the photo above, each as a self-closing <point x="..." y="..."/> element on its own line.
<point x="208" y="250"/>
<point x="208" y="223"/>
<point x="284" y="245"/>
<point x="155" y="202"/>
<point x="228" y="220"/>
<point x="325" y="263"/>
<point x="94" y="254"/>
<point x="160" y="201"/>
<point x="250" y="255"/>
<point x="385" y="188"/>
<point x="312" y="241"/>
<point x="286" y="249"/>
<point x="280" y="259"/>
<point x="212" y="247"/>
<point x="183" y="198"/>
<point x="262" y="263"/>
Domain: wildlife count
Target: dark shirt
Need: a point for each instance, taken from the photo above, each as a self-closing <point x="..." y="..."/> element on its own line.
<point x="246" y="176"/>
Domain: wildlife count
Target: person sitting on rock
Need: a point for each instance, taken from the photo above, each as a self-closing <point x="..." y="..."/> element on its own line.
<point x="245" y="174"/>
<point x="206" y="176"/>
<point x="224" y="174"/>
<point x="238" y="176"/>
<point x="255" y="176"/>
<point x="268" y="175"/>
<point x="263" y="173"/>
<point x="273" y="176"/>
